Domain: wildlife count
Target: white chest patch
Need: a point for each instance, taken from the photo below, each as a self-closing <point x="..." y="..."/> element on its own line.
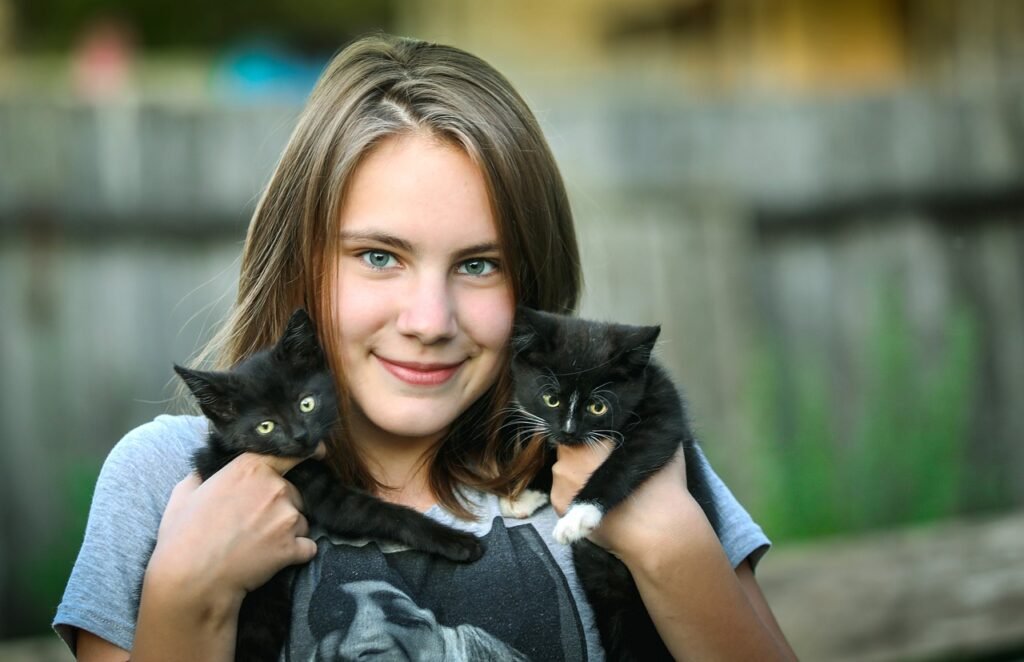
<point x="577" y="523"/>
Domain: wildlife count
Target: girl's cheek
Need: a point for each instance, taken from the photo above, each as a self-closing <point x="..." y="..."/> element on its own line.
<point x="360" y="302"/>
<point x="489" y="314"/>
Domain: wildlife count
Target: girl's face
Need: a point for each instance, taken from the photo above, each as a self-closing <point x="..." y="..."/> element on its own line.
<point x="424" y="306"/>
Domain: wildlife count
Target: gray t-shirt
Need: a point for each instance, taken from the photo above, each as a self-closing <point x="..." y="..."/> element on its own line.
<point x="521" y="599"/>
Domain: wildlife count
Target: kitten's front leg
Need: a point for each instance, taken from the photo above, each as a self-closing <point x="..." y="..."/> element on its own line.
<point x="578" y="522"/>
<point x="346" y="511"/>
<point x="525" y="504"/>
<point x="535" y="496"/>
<point x="208" y="460"/>
<point x="614" y="480"/>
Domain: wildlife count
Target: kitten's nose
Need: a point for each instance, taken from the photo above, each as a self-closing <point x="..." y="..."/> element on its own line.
<point x="568" y="439"/>
<point x="302" y="436"/>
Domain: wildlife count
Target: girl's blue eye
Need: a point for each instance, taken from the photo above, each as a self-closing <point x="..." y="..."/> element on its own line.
<point x="478" y="267"/>
<point x="378" y="259"/>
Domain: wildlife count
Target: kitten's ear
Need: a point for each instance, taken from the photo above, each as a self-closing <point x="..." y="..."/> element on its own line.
<point x="533" y="329"/>
<point x="212" y="391"/>
<point x="636" y="344"/>
<point x="299" y="341"/>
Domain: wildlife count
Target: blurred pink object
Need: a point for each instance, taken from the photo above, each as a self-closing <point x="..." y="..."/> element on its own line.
<point x="101" y="63"/>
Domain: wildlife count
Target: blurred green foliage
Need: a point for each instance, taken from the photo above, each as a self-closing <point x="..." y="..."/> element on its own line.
<point x="312" y="26"/>
<point x="40" y="579"/>
<point x="902" y="460"/>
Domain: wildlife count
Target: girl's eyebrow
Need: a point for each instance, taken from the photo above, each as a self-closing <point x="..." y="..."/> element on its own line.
<point x="477" y="249"/>
<point x="378" y="237"/>
<point x="398" y="243"/>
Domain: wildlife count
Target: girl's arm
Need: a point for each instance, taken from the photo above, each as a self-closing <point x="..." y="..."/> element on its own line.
<point x="703" y="609"/>
<point x="217" y="541"/>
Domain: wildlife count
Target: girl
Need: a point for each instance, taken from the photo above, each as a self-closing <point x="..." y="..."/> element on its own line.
<point x="415" y="205"/>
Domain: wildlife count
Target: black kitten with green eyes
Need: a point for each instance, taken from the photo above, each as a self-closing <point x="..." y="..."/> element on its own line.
<point x="578" y="382"/>
<point x="281" y="401"/>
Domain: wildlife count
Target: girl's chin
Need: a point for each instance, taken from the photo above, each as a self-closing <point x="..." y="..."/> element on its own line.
<point x="411" y="424"/>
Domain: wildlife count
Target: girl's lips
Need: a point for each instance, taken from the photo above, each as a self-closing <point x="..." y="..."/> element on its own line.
<point x="420" y="374"/>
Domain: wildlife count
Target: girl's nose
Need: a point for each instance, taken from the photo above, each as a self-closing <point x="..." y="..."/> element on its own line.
<point x="429" y="311"/>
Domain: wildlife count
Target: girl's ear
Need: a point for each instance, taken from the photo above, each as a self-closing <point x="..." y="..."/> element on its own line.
<point x="299" y="342"/>
<point x="212" y="390"/>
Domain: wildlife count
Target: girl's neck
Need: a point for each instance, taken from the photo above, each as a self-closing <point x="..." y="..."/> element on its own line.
<point x="404" y="473"/>
<point x="400" y="464"/>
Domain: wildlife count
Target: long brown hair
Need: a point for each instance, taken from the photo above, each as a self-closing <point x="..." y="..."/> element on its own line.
<point x="381" y="86"/>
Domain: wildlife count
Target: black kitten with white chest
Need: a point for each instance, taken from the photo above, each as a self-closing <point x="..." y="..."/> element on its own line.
<point x="580" y="382"/>
<point x="282" y="401"/>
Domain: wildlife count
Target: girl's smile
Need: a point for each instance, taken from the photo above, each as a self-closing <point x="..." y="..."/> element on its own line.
<point x="420" y="374"/>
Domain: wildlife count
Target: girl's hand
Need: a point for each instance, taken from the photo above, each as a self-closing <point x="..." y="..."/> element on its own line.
<point x="700" y="605"/>
<point x="217" y="541"/>
<point x="222" y="538"/>
<point x="657" y="506"/>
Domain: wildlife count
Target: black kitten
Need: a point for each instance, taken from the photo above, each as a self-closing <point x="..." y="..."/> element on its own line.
<point x="281" y="401"/>
<point x="577" y="382"/>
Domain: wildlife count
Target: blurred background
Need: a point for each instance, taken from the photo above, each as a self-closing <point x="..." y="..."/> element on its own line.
<point x="821" y="202"/>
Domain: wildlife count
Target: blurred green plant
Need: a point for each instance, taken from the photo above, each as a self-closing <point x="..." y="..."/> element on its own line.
<point x="902" y="461"/>
<point x="40" y="579"/>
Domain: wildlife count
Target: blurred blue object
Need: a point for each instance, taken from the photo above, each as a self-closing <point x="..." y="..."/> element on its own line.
<point x="261" y="71"/>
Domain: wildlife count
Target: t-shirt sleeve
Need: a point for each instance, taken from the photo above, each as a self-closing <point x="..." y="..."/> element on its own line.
<point x="134" y="485"/>
<point x="740" y="535"/>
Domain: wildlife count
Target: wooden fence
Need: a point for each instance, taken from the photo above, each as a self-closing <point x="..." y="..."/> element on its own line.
<point x="737" y="226"/>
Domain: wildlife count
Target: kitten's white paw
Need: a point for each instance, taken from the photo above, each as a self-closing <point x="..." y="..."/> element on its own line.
<point x="578" y="522"/>
<point x="524" y="505"/>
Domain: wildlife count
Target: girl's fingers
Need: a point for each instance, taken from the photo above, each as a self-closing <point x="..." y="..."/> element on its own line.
<point x="301" y="528"/>
<point x="305" y="550"/>
<point x="293" y="495"/>
<point x="570" y="473"/>
<point x="283" y="465"/>
<point x="301" y="549"/>
<point x="239" y="527"/>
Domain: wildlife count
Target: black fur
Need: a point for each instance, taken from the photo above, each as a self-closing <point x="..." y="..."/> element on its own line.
<point x="575" y="363"/>
<point x="270" y="387"/>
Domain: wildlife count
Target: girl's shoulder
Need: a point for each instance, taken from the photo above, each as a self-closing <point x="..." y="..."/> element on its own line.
<point x="159" y="451"/>
<point x="131" y="493"/>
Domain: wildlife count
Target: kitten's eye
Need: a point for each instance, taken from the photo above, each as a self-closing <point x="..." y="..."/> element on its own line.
<point x="597" y="408"/>
<point x="550" y="400"/>
<point x="307" y="404"/>
<point x="266" y="427"/>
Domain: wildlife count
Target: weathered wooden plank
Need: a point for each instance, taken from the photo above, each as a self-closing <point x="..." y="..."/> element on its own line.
<point x="201" y="160"/>
<point x="88" y="333"/>
<point x="951" y="591"/>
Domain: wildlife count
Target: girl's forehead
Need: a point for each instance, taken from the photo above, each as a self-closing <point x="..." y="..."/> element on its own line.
<point x="418" y="238"/>
<point x="415" y="191"/>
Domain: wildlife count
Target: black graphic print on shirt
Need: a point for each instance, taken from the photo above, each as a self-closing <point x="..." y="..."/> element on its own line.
<point x="514" y="603"/>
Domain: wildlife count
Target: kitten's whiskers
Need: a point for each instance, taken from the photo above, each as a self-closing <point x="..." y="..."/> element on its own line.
<point x="549" y="381"/>
<point x="525" y="421"/>
<point x="596" y="438"/>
